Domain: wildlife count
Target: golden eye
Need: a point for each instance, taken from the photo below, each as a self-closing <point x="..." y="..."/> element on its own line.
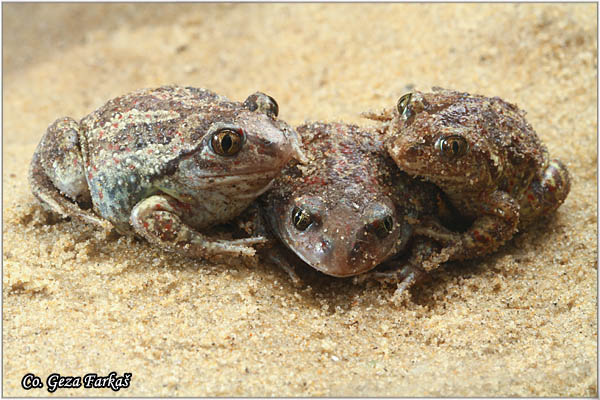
<point x="388" y="224"/>
<point x="227" y="141"/>
<point x="452" y="146"/>
<point x="262" y="103"/>
<point x="272" y="108"/>
<point x="383" y="227"/>
<point x="301" y="218"/>
<point x="402" y="105"/>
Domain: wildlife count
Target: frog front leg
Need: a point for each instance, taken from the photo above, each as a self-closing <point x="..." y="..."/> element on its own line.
<point x="280" y="257"/>
<point x="497" y="224"/>
<point x="158" y="220"/>
<point x="404" y="275"/>
<point x="406" y="271"/>
<point x="252" y="221"/>
<point x="546" y="194"/>
<point x="57" y="173"/>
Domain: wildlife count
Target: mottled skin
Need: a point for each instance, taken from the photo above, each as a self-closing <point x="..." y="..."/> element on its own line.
<point x="484" y="155"/>
<point x="349" y="208"/>
<point x="164" y="163"/>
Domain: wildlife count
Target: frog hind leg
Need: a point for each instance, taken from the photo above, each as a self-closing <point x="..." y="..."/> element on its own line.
<point x="497" y="223"/>
<point x="404" y="275"/>
<point x="546" y="194"/>
<point x="158" y="220"/>
<point x="57" y="174"/>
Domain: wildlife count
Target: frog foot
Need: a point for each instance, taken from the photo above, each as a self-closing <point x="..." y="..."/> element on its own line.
<point x="277" y="256"/>
<point x="385" y="118"/>
<point x="546" y="194"/>
<point x="57" y="176"/>
<point x="404" y="277"/>
<point x="385" y="115"/>
<point x="157" y="219"/>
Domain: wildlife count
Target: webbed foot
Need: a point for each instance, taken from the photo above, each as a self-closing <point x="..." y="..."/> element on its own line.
<point x="545" y="195"/>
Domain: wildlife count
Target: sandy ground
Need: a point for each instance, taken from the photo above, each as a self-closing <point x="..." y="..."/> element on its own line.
<point x="521" y="322"/>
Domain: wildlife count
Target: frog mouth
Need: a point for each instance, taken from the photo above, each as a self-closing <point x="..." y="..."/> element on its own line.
<point x="444" y="179"/>
<point x="330" y="258"/>
<point x="232" y="177"/>
<point x="225" y="179"/>
<point x="250" y="191"/>
<point x="339" y="269"/>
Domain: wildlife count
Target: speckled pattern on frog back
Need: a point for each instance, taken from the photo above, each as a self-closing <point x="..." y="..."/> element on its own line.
<point x="349" y="208"/>
<point x="164" y="162"/>
<point x="484" y="155"/>
<point x="132" y="146"/>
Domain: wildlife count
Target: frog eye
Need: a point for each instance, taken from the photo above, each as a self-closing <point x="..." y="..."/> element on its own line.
<point x="383" y="226"/>
<point x="452" y="146"/>
<point x="227" y="141"/>
<point x="263" y="103"/>
<point x="301" y="218"/>
<point x="402" y="105"/>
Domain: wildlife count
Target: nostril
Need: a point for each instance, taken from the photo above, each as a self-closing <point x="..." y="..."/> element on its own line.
<point x="413" y="152"/>
<point x="326" y="245"/>
<point x="267" y="143"/>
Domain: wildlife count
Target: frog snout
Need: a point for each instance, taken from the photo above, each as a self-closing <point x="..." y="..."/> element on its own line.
<point x="273" y="147"/>
<point x="334" y="256"/>
<point x="360" y="251"/>
<point x="369" y="239"/>
<point x="326" y="245"/>
<point x="296" y="144"/>
<point x="281" y="146"/>
<point x="357" y="252"/>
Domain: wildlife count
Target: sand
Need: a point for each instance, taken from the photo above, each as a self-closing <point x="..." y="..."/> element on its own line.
<point x="521" y="322"/>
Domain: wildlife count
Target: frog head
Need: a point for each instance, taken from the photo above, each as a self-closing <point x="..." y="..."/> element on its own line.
<point x="238" y="148"/>
<point x="337" y="233"/>
<point x="443" y="138"/>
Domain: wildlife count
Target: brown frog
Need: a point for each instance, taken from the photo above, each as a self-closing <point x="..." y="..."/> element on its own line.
<point x="484" y="155"/>
<point x="349" y="208"/>
<point x="164" y="163"/>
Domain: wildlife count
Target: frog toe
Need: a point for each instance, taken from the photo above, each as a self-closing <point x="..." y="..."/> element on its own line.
<point x="57" y="177"/>
<point x="545" y="195"/>
<point x="157" y="219"/>
<point x="382" y="116"/>
<point x="556" y="183"/>
<point x="59" y="156"/>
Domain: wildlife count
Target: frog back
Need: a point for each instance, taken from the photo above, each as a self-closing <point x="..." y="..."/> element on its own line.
<point x="135" y="138"/>
<point x="164" y="121"/>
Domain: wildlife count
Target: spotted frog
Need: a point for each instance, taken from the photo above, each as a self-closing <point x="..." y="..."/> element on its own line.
<point x="484" y="155"/>
<point x="164" y="163"/>
<point x="349" y="208"/>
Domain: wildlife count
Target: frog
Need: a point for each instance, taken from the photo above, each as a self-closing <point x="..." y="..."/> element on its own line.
<point x="165" y="164"/>
<point x="349" y="209"/>
<point x="483" y="153"/>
